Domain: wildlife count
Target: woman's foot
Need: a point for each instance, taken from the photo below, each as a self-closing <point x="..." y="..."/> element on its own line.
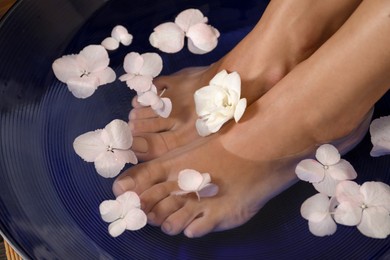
<point x="284" y="37"/>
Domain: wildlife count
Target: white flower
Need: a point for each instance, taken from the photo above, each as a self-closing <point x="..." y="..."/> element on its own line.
<point x="327" y="172"/>
<point x="119" y="34"/>
<point x="85" y="71"/>
<point x="317" y="210"/>
<point x="162" y="106"/>
<point x="140" y="70"/>
<point x="219" y="102"/>
<point x="108" y="148"/>
<point x="169" y="37"/>
<point x="124" y="213"/>
<point x="193" y="181"/>
<point x="380" y="136"/>
<point x="367" y="206"/>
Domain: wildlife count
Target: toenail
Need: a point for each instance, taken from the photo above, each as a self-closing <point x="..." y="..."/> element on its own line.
<point x="122" y="185"/>
<point x="151" y="218"/>
<point x="188" y="233"/>
<point x="140" y="144"/>
<point x="166" y="227"/>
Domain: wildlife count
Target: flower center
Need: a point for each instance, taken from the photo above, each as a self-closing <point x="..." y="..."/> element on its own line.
<point x="85" y="73"/>
<point x="326" y="167"/>
<point x="110" y="149"/>
<point x="364" y="206"/>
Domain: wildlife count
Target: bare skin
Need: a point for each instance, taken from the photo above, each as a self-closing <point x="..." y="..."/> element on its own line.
<point x="327" y="97"/>
<point x="284" y="36"/>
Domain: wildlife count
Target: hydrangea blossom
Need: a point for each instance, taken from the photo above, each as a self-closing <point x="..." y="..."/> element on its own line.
<point x="108" y="148"/>
<point x="190" y="23"/>
<point x="191" y="181"/>
<point x="367" y="206"/>
<point x="161" y="105"/>
<point x="327" y="171"/>
<point x="124" y="213"/>
<point x="317" y="210"/>
<point x="140" y="70"/>
<point x="119" y="34"/>
<point x="380" y="136"/>
<point x="219" y="102"/>
<point x="83" y="73"/>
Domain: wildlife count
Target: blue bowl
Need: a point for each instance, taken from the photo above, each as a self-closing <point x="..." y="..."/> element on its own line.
<point x="49" y="197"/>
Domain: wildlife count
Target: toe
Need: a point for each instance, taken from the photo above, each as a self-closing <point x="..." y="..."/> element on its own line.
<point x="151" y="125"/>
<point x="142" y="113"/>
<point x="149" y="146"/>
<point x="156" y="194"/>
<point x="165" y="208"/>
<point x="201" y="226"/>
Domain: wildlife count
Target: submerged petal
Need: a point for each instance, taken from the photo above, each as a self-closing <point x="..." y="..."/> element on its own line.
<point x="168" y="37"/>
<point x="380" y="138"/>
<point x="189" y="17"/>
<point x="89" y="145"/>
<point x="327" y="154"/>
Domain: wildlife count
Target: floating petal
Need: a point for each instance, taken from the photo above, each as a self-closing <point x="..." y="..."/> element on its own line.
<point x="107" y="165"/>
<point x="96" y="57"/>
<point x="315" y="208"/>
<point x="168" y="37"/>
<point x="110" y="44"/>
<point x="348" y="213"/>
<point x="135" y="219"/>
<point x="110" y="210"/>
<point x="376" y="194"/>
<point x="140" y="83"/>
<point x="133" y="63"/>
<point x="347" y="191"/>
<point x="189" y="17"/>
<point x="129" y="200"/>
<point x="343" y="170"/>
<point x="117" y="227"/>
<point x="310" y="170"/>
<point x="380" y="137"/>
<point x="203" y="36"/>
<point x="121" y="34"/>
<point x="89" y="145"/>
<point x="83" y="87"/>
<point x="375" y="222"/>
<point x="119" y="134"/>
<point x="327" y="185"/>
<point x="105" y="76"/>
<point x="326" y="227"/>
<point x="148" y="98"/>
<point x="327" y="154"/>
<point x="67" y="67"/>
<point x="152" y="66"/>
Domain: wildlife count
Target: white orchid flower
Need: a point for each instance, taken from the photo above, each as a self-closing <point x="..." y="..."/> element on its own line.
<point x="367" y="206"/>
<point x="124" y="213"/>
<point x="380" y="136"/>
<point x="219" y="102"/>
<point x="317" y="210"/>
<point x="327" y="171"/>
<point x="83" y="73"/>
<point x="190" y="23"/>
<point x="191" y="181"/>
<point x="108" y="148"/>
<point x="140" y="70"/>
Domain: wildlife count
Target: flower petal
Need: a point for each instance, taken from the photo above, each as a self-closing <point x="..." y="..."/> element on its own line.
<point x="110" y="43"/>
<point x="348" y="213"/>
<point x="153" y="64"/>
<point x="349" y="191"/>
<point x="189" y="17"/>
<point x="203" y="36"/>
<point x="89" y="145"/>
<point x="315" y="208"/>
<point x="380" y="138"/>
<point x="110" y="210"/>
<point x="140" y="83"/>
<point x="193" y="49"/>
<point x="121" y="34"/>
<point x="219" y="78"/>
<point x="201" y="128"/>
<point x="135" y="219"/>
<point x="343" y="170"/>
<point x="105" y="76"/>
<point x="376" y="194"/>
<point x="209" y="190"/>
<point x="107" y="165"/>
<point x="189" y="180"/>
<point x="310" y="170"/>
<point x="96" y="57"/>
<point x="375" y="222"/>
<point x="326" y="227"/>
<point x="83" y="87"/>
<point x="119" y="134"/>
<point x="126" y="156"/>
<point x="129" y="200"/>
<point x="327" y="185"/>
<point x="148" y="98"/>
<point x="240" y="109"/>
<point x="166" y="109"/>
<point x="117" y="227"/>
<point x="67" y="67"/>
<point x="206" y="180"/>
<point x="327" y="154"/>
<point x="133" y="63"/>
<point x="168" y="37"/>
